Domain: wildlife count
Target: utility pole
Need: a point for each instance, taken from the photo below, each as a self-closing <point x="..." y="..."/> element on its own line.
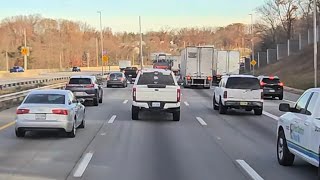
<point x="60" y="62"/>
<point x="141" y="55"/>
<point x="101" y="39"/>
<point x="97" y="51"/>
<point x="7" y="61"/>
<point x="25" y="45"/>
<point x="315" y="45"/>
<point x="252" y="43"/>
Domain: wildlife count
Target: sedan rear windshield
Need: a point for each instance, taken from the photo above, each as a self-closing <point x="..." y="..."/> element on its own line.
<point x="45" y="99"/>
<point x="80" y="81"/>
<point x="243" y="83"/>
<point x="270" y="81"/>
<point x="149" y="78"/>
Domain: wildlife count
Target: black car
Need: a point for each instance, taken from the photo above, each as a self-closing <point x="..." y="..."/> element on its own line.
<point x="272" y="86"/>
<point x="131" y="73"/>
<point x="76" y="69"/>
<point x="16" y="69"/>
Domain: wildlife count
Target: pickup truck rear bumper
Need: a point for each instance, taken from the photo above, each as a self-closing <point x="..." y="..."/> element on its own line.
<point x="164" y="106"/>
<point x="243" y="105"/>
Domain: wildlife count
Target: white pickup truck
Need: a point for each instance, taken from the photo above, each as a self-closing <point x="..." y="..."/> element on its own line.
<point x="299" y="130"/>
<point x="156" y="90"/>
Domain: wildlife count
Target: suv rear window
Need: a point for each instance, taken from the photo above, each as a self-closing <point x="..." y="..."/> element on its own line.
<point x="80" y="81"/>
<point x="45" y="99"/>
<point x="148" y="78"/>
<point x="131" y="68"/>
<point x="115" y="75"/>
<point x="243" y="83"/>
<point x="270" y="81"/>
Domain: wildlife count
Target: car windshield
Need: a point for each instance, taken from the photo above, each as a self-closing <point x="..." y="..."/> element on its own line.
<point x="243" y="83"/>
<point x="80" y="81"/>
<point x="45" y="99"/>
<point x="148" y="78"/>
<point x="270" y="81"/>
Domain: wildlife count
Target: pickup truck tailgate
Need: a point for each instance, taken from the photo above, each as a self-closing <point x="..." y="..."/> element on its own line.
<point x="145" y="94"/>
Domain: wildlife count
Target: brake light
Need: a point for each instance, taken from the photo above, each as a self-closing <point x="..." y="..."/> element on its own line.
<point x="271" y="77"/>
<point x="209" y="78"/>
<point x="90" y="86"/>
<point x="263" y="83"/>
<point x="134" y="94"/>
<point x="188" y="78"/>
<point x="60" y="111"/>
<point x="178" y="95"/>
<point x="225" y="95"/>
<point x="22" y="111"/>
<point x="281" y="84"/>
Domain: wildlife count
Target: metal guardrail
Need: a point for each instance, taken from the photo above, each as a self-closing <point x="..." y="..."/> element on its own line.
<point x="10" y="100"/>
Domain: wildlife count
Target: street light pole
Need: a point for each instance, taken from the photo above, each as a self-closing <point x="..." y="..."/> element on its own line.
<point x="101" y="39"/>
<point x="315" y="45"/>
<point x="141" y="55"/>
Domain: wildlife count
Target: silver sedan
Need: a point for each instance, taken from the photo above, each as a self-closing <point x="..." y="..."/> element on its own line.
<point x="50" y="110"/>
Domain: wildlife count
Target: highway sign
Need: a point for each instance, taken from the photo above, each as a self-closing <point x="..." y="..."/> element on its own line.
<point x="105" y="58"/>
<point x="253" y="62"/>
<point x="25" y="51"/>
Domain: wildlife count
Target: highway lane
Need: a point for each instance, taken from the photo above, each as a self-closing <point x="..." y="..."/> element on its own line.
<point x="152" y="148"/>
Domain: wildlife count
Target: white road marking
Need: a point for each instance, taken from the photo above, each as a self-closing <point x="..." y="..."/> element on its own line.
<point x="125" y="101"/>
<point x="186" y="103"/>
<point x="103" y="134"/>
<point x="271" y="115"/>
<point x="201" y="121"/>
<point x="83" y="164"/>
<point x="251" y="172"/>
<point x="289" y="101"/>
<point x="111" y="120"/>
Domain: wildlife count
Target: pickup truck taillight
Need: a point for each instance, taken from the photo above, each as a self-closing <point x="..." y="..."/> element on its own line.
<point x="134" y="94"/>
<point x="225" y="95"/>
<point x="178" y="95"/>
<point x="261" y="95"/>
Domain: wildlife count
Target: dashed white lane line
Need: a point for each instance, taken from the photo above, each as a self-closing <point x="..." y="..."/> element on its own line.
<point x="251" y="172"/>
<point x="111" y="120"/>
<point x="186" y="103"/>
<point x="289" y="101"/>
<point x="103" y="134"/>
<point x="125" y="101"/>
<point x="83" y="164"/>
<point x="201" y="121"/>
<point x="271" y="115"/>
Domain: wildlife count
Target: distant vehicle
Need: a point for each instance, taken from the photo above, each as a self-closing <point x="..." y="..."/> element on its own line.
<point x="298" y="131"/>
<point x="76" y="69"/>
<point x="176" y="63"/>
<point x="16" y="69"/>
<point x="196" y="66"/>
<point x="117" y="79"/>
<point x="156" y="90"/>
<point x="239" y="92"/>
<point x="86" y="87"/>
<point x="272" y="86"/>
<point x="225" y="63"/>
<point x="123" y="64"/>
<point x="131" y="73"/>
<point x="44" y="110"/>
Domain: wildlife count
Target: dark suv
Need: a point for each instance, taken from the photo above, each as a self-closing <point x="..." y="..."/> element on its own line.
<point x="272" y="86"/>
<point x="86" y="87"/>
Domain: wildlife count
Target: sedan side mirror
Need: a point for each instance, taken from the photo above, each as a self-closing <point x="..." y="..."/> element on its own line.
<point x="284" y="107"/>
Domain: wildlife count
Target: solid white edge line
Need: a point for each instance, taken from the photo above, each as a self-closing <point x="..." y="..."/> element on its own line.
<point x="271" y="115"/>
<point x="201" y="121"/>
<point x="83" y="165"/>
<point x="251" y="172"/>
<point x="111" y="120"/>
<point x="186" y="103"/>
<point x="289" y="101"/>
<point x="125" y="101"/>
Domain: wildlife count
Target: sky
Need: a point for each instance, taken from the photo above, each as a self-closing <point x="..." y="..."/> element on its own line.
<point x="122" y="15"/>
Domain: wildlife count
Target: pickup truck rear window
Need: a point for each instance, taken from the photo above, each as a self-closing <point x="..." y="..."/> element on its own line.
<point x="243" y="83"/>
<point x="270" y="81"/>
<point x="156" y="78"/>
<point x="80" y="81"/>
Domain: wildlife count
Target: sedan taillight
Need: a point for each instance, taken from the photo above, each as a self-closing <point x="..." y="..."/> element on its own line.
<point x="60" y="111"/>
<point x="22" y="111"/>
<point x="134" y="94"/>
<point x="178" y="95"/>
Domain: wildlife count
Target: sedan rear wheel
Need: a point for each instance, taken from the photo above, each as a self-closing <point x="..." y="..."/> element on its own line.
<point x="72" y="133"/>
<point x="20" y="133"/>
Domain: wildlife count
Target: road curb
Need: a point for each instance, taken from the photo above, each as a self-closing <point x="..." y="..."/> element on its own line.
<point x="294" y="90"/>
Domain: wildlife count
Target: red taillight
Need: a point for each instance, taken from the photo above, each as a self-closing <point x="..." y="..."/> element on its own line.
<point x="178" y="95"/>
<point x="209" y="78"/>
<point x="263" y="83"/>
<point x="225" y="95"/>
<point x="281" y="84"/>
<point x="188" y="78"/>
<point x="60" y="111"/>
<point x="22" y="111"/>
<point x="134" y="94"/>
<point x="90" y="86"/>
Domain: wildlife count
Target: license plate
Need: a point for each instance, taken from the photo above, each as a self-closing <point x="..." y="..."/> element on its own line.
<point x="40" y="117"/>
<point x="115" y="79"/>
<point x="79" y="94"/>
<point x="272" y="90"/>
<point x="243" y="103"/>
<point x="155" y="104"/>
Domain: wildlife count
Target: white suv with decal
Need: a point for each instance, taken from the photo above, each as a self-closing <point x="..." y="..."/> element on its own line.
<point x="239" y="92"/>
<point x="299" y="130"/>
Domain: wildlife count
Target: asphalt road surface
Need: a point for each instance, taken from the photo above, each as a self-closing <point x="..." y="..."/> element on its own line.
<point x="204" y="145"/>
